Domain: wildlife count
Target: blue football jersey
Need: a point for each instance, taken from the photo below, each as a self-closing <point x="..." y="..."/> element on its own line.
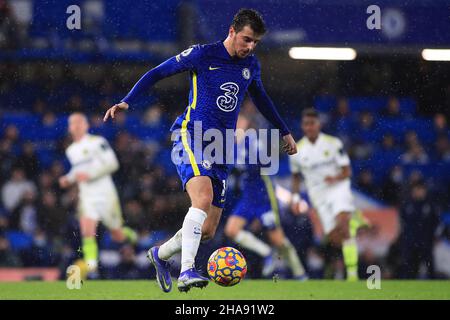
<point x="219" y="83"/>
<point x="218" y="86"/>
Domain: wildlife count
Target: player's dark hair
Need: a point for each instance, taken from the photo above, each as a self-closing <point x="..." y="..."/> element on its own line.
<point x="251" y="18"/>
<point x="310" y="112"/>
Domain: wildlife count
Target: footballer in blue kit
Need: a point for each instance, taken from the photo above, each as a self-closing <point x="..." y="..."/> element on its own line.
<point x="259" y="201"/>
<point x="220" y="74"/>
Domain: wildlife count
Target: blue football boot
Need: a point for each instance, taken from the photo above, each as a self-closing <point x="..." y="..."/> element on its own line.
<point x="191" y="278"/>
<point x="162" y="270"/>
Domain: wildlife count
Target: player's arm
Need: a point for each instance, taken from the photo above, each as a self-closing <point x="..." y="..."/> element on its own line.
<point x="343" y="161"/>
<point x="268" y="110"/>
<point x="182" y="62"/>
<point x="104" y="161"/>
<point x="346" y="173"/>
<point x="70" y="178"/>
<point x="295" y="185"/>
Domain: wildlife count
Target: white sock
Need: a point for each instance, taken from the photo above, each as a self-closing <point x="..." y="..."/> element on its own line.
<point x="170" y="247"/>
<point x="191" y="236"/>
<point x="249" y="241"/>
<point x="291" y="257"/>
<point x="92" y="265"/>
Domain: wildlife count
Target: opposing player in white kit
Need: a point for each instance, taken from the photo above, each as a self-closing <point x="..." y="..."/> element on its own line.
<point x="93" y="161"/>
<point x="326" y="171"/>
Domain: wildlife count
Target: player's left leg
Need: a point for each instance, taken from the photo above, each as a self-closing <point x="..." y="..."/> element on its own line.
<point x="346" y="235"/>
<point x="88" y="228"/>
<point x="279" y="240"/>
<point x="124" y="234"/>
<point x="173" y="245"/>
<point x="201" y="191"/>
<point x="211" y="223"/>
<point x="113" y="220"/>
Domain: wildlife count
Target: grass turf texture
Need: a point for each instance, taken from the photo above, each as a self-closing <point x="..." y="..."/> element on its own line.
<point x="248" y="289"/>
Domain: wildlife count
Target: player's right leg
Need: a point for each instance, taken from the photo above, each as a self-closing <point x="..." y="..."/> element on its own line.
<point x="111" y="217"/>
<point x="200" y="191"/>
<point x="336" y="214"/>
<point x="205" y="185"/>
<point x="160" y="255"/>
<point x="342" y="236"/>
<point x="88" y="227"/>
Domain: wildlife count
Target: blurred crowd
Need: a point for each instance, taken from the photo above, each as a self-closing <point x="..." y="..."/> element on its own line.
<point x="38" y="226"/>
<point x="388" y="160"/>
<point x="406" y="169"/>
<point x="409" y="172"/>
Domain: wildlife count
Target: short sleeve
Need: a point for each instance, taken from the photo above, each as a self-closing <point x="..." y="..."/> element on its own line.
<point x="69" y="155"/>
<point x="102" y="144"/>
<point x="342" y="158"/>
<point x="294" y="163"/>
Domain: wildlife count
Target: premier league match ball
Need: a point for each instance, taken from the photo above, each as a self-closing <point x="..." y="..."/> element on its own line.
<point x="227" y="266"/>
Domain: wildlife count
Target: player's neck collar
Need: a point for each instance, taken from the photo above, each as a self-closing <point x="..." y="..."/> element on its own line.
<point x="317" y="139"/>
<point x="225" y="51"/>
<point x="226" y="54"/>
<point x="83" y="137"/>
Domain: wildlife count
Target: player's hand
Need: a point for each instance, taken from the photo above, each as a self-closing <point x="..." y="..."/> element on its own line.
<point x="331" y="180"/>
<point x="81" y="177"/>
<point x="64" y="182"/>
<point x="295" y="204"/>
<point x="299" y="208"/>
<point x="295" y="209"/>
<point x="112" y="111"/>
<point x="290" y="147"/>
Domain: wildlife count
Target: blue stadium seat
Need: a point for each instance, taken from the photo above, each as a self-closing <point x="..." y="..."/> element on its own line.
<point x="390" y="127"/>
<point x="152" y="20"/>
<point x="423" y="128"/>
<point x="284" y="165"/>
<point x="372" y="104"/>
<point x="19" y="240"/>
<point x="106" y="131"/>
<point x="15" y="101"/>
<point x="359" y="104"/>
<point x="344" y="126"/>
<point x="46" y="157"/>
<point x="27" y="124"/>
<point x="408" y="106"/>
<point x="164" y="159"/>
<point x="324" y="103"/>
<point x="152" y="239"/>
<point x="428" y="170"/>
<point x="106" y="242"/>
<point x="21" y="120"/>
<point x="48" y="18"/>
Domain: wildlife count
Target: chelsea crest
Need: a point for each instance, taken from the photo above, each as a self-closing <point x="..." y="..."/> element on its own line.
<point x="246" y="73"/>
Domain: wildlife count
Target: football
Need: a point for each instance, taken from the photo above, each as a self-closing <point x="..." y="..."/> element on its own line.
<point x="227" y="266"/>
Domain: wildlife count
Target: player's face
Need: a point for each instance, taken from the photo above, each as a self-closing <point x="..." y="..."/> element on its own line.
<point x="245" y="41"/>
<point x="78" y="126"/>
<point x="311" y="127"/>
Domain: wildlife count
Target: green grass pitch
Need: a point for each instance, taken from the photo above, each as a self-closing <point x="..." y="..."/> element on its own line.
<point x="248" y="289"/>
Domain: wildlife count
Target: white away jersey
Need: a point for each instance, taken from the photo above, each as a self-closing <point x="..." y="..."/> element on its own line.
<point x="93" y="155"/>
<point x="315" y="162"/>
